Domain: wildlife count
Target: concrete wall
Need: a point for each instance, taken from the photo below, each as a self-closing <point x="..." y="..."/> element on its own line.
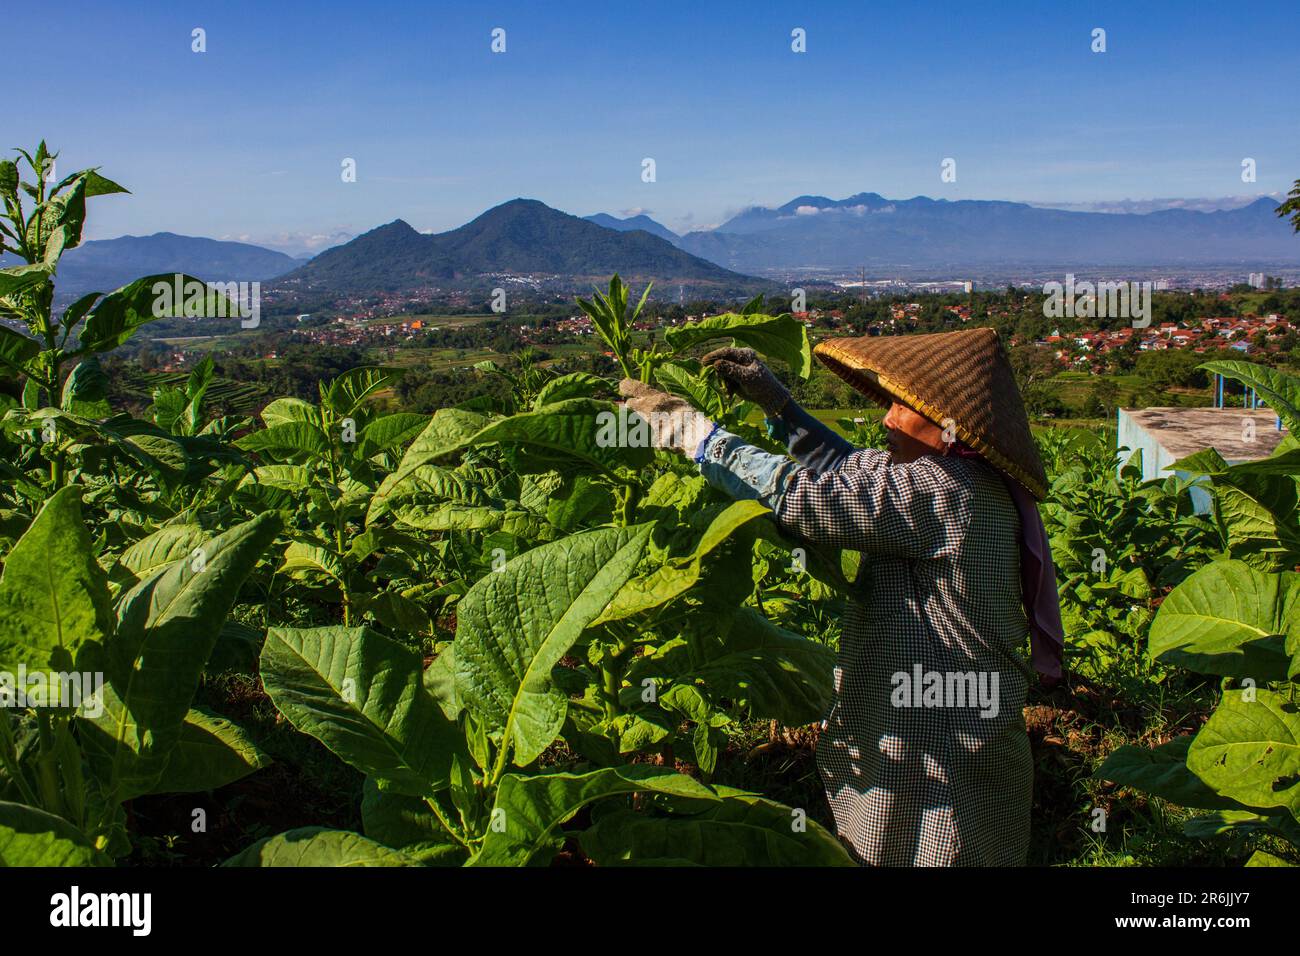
<point x="1155" y="458"/>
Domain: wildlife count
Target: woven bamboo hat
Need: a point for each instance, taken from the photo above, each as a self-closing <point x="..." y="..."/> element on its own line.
<point x="963" y="376"/>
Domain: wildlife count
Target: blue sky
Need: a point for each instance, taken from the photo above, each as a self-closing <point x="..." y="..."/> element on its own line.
<point x="246" y="140"/>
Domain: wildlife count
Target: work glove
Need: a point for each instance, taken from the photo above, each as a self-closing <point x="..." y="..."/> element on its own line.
<point x="745" y="374"/>
<point x="673" y="422"/>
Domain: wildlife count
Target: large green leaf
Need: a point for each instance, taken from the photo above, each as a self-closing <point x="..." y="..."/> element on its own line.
<point x="678" y="574"/>
<point x="17" y="350"/>
<point x="287" y="411"/>
<point x="397" y="612"/>
<point x="360" y="694"/>
<point x="389" y="431"/>
<point x="408" y="824"/>
<point x="692" y="385"/>
<point x="459" y="517"/>
<point x="579" y="502"/>
<point x="307" y="556"/>
<point x="212" y="751"/>
<point x="572" y="385"/>
<point x="85" y="391"/>
<point x="348" y="392"/>
<point x="445" y="434"/>
<point x="286" y="440"/>
<point x="529" y="809"/>
<point x="169" y="405"/>
<point x="162" y="456"/>
<point x="22" y="278"/>
<point x="1258" y="512"/>
<point x="745" y="658"/>
<point x="440" y="681"/>
<point x="1229" y="619"/>
<point x="1230" y="822"/>
<point x="743" y="830"/>
<point x="117" y="316"/>
<point x="1283" y="461"/>
<point x="168" y="544"/>
<point x="424" y="484"/>
<point x="1249" y="750"/>
<point x="167" y="626"/>
<point x="1264" y="858"/>
<point x="578" y="428"/>
<point x="317" y="846"/>
<point x="32" y="837"/>
<point x="1279" y="389"/>
<point x="1162" y="771"/>
<point x="53" y="596"/>
<point x="776" y="336"/>
<point x="514" y="625"/>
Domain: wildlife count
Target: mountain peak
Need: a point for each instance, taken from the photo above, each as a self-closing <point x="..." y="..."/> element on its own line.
<point x="520" y="236"/>
<point x="522" y="204"/>
<point x="396" y="227"/>
<point x="640" y="221"/>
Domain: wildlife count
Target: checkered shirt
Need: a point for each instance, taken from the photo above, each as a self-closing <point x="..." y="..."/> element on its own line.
<point x="937" y="593"/>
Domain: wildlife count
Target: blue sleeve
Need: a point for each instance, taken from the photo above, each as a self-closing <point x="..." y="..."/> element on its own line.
<point x="918" y="510"/>
<point x="732" y="465"/>
<point x="814" y="445"/>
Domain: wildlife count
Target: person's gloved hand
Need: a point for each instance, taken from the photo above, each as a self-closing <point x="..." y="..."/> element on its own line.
<point x="673" y="422"/>
<point x="745" y="374"/>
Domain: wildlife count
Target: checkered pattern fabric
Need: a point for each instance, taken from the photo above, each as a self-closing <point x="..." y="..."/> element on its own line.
<point x="938" y="594"/>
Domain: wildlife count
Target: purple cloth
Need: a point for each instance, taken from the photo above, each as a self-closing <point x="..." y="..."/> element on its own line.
<point x="1037" y="578"/>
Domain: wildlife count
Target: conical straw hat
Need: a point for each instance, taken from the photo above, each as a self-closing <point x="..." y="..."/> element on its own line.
<point x="963" y="376"/>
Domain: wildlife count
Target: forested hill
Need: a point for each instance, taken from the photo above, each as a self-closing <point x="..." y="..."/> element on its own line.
<point x="522" y="237"/>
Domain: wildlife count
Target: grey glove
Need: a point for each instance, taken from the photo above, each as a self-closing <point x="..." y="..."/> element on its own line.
<point x="746" y="375"/>
<point x="673" y="422"/>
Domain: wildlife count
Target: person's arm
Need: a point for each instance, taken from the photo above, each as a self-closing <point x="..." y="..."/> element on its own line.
<point x="916" y="510"/>
<point x="813" y="444"/>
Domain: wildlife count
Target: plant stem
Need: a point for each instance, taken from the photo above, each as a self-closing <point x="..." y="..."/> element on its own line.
<point x="9" y="757"/>
<point x="438" y="812"/>
<point x="613" y="668"/>
<point x="47" y="771"/>
<point x="74" y="783"/>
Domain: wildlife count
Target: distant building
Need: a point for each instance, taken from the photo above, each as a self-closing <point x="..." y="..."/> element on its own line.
<point x="1167" y="435"/>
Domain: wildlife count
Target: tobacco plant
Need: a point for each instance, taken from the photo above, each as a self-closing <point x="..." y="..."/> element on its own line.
<point x="71" y="757"/>
<point x="1238" y="618"/>
<point x="616" y="616"/>
<point x="324" y="463"/>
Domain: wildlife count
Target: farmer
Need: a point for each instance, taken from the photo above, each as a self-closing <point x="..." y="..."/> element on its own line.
<point x="923" y="754"/>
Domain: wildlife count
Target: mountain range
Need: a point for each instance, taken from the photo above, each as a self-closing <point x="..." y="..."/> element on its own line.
<point x="868" y="230"/>
<point x="642" y="222"/>
<point x="102" y="265"/>
<point x="527" y="241"/>
<point x="519" y="238"/>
